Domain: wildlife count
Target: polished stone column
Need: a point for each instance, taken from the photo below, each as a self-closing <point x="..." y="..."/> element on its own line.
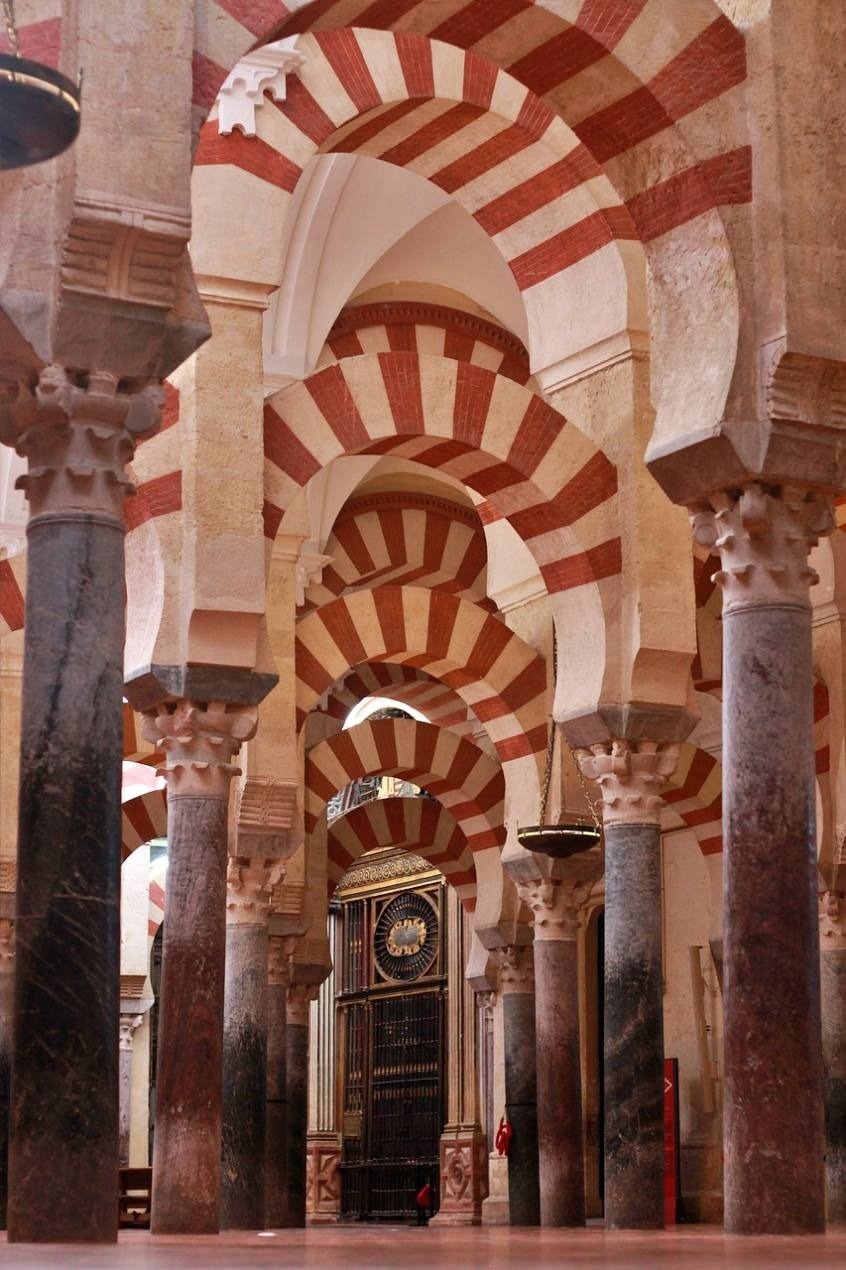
<point x="199" y="740"/>
<point x="772" y="1112"/>
<point x="555" y="903"/>
<point x="833" y="985"/>
<point x="300" y="997"/>
<point x="515" y="964"/>
<point x="7" y="994"/>
<point x="249" y="884"/>
<point x="129" y="1023"/>
<point x="630" y="775"/>
<point x="276" y="1146"/>
<point x="77" y="432"/>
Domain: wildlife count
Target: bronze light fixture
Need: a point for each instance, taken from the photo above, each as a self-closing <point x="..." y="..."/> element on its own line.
<point x="576" y="833"/>
<point x="39" y="107"/>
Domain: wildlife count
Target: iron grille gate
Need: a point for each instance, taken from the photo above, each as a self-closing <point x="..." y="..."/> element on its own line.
<point x="393" y="1101"/>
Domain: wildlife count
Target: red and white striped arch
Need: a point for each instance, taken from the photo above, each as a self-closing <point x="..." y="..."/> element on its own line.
<point x="405" y="539"/>
<point x="556" y="488"/>
<point x="142" y="819"/>
<point x="412" y="327"/>
<point x="694" y="798"/>
<point x="422" y="825"/>
<point x="500" y="677"/>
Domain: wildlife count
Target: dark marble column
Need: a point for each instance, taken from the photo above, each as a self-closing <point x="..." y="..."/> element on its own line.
<point x="555" y="904"/>
<point x="128" y="1025"/>
<point x="521" y="1091"/>
<point x="77" y="433"/>
<point x="200" y="741"/>
<point x="833" y="985"/>
<point x="772" y="1115"/>
<point x="7" y="994"/>
<point x="276" y="1150"/>
<point x="249" y="885"/>
<point x="630" y="775"/>
<point x="300" y="997"/>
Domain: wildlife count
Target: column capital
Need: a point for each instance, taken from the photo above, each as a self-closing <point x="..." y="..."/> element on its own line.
<point x="300" y="997"/>
<point x="832" y="921"/>
<point x="280" y="949"/>
<point x="763" y="534"/>
<point x="630" y="775"/>
<point x="78" y="432"/>
<point x="199" y="739"/>
<point x="556" y="905"/>
<point x="249" y="885"/>
<point x="516" y="966"/>
<point x="129" y="1024"/>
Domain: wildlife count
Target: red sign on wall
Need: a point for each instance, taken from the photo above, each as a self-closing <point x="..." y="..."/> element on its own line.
<point x="672" y="1163"/>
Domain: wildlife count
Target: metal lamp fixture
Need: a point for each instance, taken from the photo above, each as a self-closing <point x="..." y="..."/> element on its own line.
<point x="576" y="833"/>
<point x="39" y="107"/>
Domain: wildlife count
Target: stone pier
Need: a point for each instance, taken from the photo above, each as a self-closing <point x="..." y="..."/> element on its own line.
<point x="516" y="984"/>
<point x="276" y="1143"/>
<point x="300" y="997"/>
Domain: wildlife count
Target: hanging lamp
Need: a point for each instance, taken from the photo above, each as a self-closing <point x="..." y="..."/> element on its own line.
<point x="576" y="833"/>
<point x="39" y="107"/>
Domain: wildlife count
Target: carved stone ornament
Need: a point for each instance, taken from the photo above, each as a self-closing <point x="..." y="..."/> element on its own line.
<point x="403" y="866"/>
<point x="832" y="921"/>
<point x="555" y="906"/>
<point x="77" y="434"/>
<point x="516" y="965"/>
<point x="308" y="572"/>
<point x="763" y="534"/>
<point x="279" y="951"/>
<point x="199" y="740"/>
<point x="300" y="997"/>
<point x="261" y="73"/>
<point x="129" y="1024"/>
<point x="630" y="775"/>
<point x="7" y="945"/>
<point x="265" y="817"/>
<point x="323" y="1177"/>
<point x="249" y="885"/>
<point x="807" y="389"/>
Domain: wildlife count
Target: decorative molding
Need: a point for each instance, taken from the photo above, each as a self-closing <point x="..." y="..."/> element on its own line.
<point x="806" y="389"/>
<point x="366" y="874"/>
<point x="308" y="571"/>
<point x="401" y="500"/>
<point x="262" y="73"/>
<point x="8" y="875"/>
<point x="630" y="775"/>
<point x="265" y="816"/>
<point x="763" y="534"/>
<point x="832" y="921"/>
<point x="556" y="906"/>
<point x="249" y="885"/>
<point x="199" y="741"/>
<point x="77" y="433"/>
<point x="516" y="965"/>
<point x="418" y="313"/>
<point x="7" y="945"/>
<point x="132" y="987"/>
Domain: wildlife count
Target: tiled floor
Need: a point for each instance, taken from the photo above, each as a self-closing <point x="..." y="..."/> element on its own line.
<point x="406" y="1248"/>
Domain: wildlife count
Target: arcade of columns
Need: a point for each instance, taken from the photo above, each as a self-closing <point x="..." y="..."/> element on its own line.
<point x="641" y="313"/>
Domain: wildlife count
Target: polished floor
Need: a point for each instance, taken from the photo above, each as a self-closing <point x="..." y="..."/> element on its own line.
<point x="407" y="1248"/>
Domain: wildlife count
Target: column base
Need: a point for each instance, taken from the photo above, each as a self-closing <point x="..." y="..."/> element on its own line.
<point x="464" y="1175"/>
<point x="323" y="1178"/>
<point x="495" y="1211"/>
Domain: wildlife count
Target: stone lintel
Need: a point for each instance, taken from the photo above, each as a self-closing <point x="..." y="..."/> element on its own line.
<point x="636" y="721"/>
<point x="146" y="687"/>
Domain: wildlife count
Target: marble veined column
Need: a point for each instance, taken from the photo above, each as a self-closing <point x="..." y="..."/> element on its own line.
<point x="630" y="775"/>
<point x="276" y="1145"/>
<point x="772" y="1110"/>
<point x="300" y="997"/>
<point x="517" y="986"/>
<point x="833" y="985"/>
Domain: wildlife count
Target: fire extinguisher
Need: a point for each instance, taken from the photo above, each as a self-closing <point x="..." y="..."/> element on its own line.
<point x="504" y="1134"/>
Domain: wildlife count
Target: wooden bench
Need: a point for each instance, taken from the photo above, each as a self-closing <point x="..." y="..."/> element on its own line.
<point x="134" y="1198"/>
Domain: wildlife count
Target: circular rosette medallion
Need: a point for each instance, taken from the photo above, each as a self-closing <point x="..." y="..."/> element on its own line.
<point x="405" y="942"/>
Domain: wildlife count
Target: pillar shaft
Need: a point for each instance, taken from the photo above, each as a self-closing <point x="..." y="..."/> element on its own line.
<point x="521" y="1089"/>
<point x="630" y="775"/>
<point x="7" y="994"/>
<point x="833" y="985"/>
<point x="77" y="436"/>
<point x="250" y="882"/>
<point x="297" y="1030"/>
<point x="128" y="1025"/>
<point x="276" y="1145"/>
<point x="198" y="740"/>
<point x="772" y="1121"/>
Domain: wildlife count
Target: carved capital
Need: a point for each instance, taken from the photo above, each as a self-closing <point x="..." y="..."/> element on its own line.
<point x="555" y="906"/>
<point x="7" y="945"/>
<point x="199" y="740"/>
<point x="832" y="921"/>
<point x="763" y="534"/>
<point x="129" y="1024"/>
<point x="249" y="886"/>
<point x="630" y="775"/>
<point x="300" y="997"/>
<point x="262" y="72"/>
<point x="516" y="965"/>
<point x="265" y="817"/>
<point x="77" y="433"/>
<point x="280" y="949"/>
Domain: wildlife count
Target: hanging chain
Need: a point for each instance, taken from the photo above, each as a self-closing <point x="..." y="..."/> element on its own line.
<point x="11" y="29"/>
<point x="550" y="753"/>
<point x="590" y="802"/>
<point x="547" y="775"/>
